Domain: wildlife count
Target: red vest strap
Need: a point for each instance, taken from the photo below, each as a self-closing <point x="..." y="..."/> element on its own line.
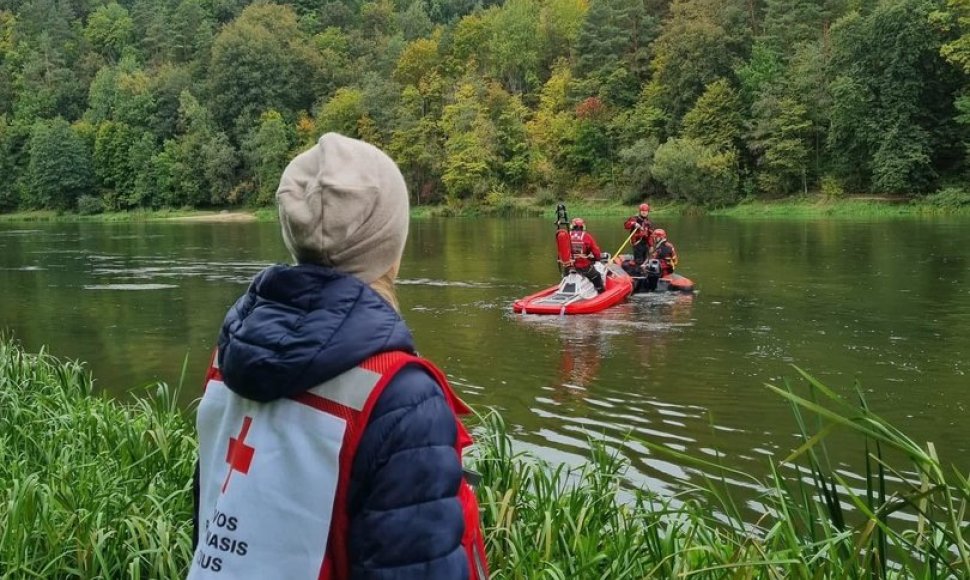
<point x="387" y="364"/>
<point x="213" y="373"/>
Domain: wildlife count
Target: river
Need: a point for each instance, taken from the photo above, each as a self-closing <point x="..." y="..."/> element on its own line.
<point x="884" y="302"/>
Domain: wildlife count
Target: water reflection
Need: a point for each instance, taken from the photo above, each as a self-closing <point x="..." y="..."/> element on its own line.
<point x="585" y="406"/>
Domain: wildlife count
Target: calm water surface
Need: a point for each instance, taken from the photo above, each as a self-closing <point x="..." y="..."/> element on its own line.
<point x="884" y="302"/>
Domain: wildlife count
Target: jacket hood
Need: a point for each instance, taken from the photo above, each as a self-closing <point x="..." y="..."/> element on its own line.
<point x="298" y="326"/>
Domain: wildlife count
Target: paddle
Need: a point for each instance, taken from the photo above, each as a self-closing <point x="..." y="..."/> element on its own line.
<point x="616" y="256"/>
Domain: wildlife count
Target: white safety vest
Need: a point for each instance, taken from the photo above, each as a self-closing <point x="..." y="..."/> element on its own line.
<point x="274" y="476"/>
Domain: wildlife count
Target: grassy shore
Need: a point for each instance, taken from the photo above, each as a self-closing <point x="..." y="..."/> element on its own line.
<point x="802" y="207"/>
<point x="94" y="488"/>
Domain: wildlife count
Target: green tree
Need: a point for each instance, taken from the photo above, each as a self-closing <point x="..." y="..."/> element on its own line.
<point x="764" y="70"/>
<point x="115" y="176"/>
<point x="9" y="193"/>
<point x="560" y="22"/>
<point x="469" y="146"/>
<point x="122" y="93"/>
<point x="151" y="23"/>
<point x="636" y="162"/>
<point x="513" y="53"/>
<point x="60" y="168"/>
<point x="190" y="31"/>
<point x="613" y="49"/>
<point x="552" y="127"/>
<point x="46" y="86"/>
<point x="141" y="154"/>
<point x="267" y="151"/>
<point x="109" y="30"/>
<point x="701" y="41"/>
<point x="588" y="150"/>
<point x="508" y="115"/>
<point x="417" y="142"/>
<point x="166" y="88"/>
<point x="342" y="113"/>
<point x="778" y="138"/>
<point x="808" y="79"/>
<point x="716" y="118"/>
<point x="333" y="46"/>
<point x="696" y="172"/>
<point x="7" y="44"/>
<point x="262" y="61"/>
<point x="414" y="22"/>
<point x="955" y="21"/>
<point x="419" y="58"/>
<point x="790" y="22"/>
<point x="892" y="98"/>
<point x="198" y="167"/>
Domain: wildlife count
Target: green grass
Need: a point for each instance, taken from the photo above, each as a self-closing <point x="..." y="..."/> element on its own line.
<point x="94" y="488"/>
<point x="817" y="206"/>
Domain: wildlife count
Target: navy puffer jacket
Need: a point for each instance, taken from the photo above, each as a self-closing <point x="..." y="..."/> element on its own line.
<point x="298" y="326"/>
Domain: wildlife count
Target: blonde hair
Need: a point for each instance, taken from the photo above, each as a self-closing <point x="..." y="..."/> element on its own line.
<point x="385" y="286"/>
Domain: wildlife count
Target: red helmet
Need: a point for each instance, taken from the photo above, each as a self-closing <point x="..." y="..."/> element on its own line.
<point x="578" y="223"/>
<point x="660" y="234"/>
<point x="645" y="207"/>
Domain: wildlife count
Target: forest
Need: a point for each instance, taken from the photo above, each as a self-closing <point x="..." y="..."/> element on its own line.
<point x="110" y="106"/>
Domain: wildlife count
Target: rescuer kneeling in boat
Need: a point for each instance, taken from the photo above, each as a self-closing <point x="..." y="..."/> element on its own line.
<point x="585" y="253"/>
<point x="642" y="231"/>
<point x="664" y="251"/>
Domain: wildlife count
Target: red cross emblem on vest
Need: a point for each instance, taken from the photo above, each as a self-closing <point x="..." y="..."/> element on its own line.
<point x="239" y="456"/>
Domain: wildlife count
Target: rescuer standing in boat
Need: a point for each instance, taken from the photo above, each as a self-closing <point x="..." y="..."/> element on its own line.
<point x="585" y="253"/>
<point x="642" y="231"/>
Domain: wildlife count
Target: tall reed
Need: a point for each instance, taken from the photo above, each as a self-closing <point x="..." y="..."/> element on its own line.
<point x="89" y="488"/>
<point x="906" y="523"/>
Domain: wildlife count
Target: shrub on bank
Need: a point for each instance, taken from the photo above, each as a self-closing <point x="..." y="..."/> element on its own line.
<point x="91" y="487"/>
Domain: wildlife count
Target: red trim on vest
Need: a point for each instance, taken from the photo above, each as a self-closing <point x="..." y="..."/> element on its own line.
<point x="323" y="404"/>
<point x="213" y="374"/>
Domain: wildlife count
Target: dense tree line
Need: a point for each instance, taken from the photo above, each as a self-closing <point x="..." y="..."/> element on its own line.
<point x="109" y="105"/>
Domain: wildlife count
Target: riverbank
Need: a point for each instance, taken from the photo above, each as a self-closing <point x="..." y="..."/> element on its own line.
<point x="161" y="215"/>
<point x="92" y="487"/>
<point x="804" y="207"/>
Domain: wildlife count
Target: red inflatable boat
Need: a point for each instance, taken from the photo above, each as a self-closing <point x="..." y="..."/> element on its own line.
<point x="575" y="295"/>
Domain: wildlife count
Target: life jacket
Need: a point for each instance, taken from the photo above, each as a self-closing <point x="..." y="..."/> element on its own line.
<point x="643" y="234"/>
<point x="580" y="248"/>
<point x="667" y="254"/>
<point x="248" y="454"/>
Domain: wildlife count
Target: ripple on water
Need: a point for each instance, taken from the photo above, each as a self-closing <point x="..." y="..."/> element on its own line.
<point x="129" y="286"/>
<point x="449" y="283"/>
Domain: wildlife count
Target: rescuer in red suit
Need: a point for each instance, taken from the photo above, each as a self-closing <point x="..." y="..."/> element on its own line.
<point x="642" y="232"/>
<point x="585" y="253"/>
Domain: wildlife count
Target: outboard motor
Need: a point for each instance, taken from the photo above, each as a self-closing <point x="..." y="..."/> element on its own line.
<point x="652" y="270"/>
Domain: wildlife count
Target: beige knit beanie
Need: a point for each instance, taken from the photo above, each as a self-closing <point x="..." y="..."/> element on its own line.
<point x="343" y="203"/>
